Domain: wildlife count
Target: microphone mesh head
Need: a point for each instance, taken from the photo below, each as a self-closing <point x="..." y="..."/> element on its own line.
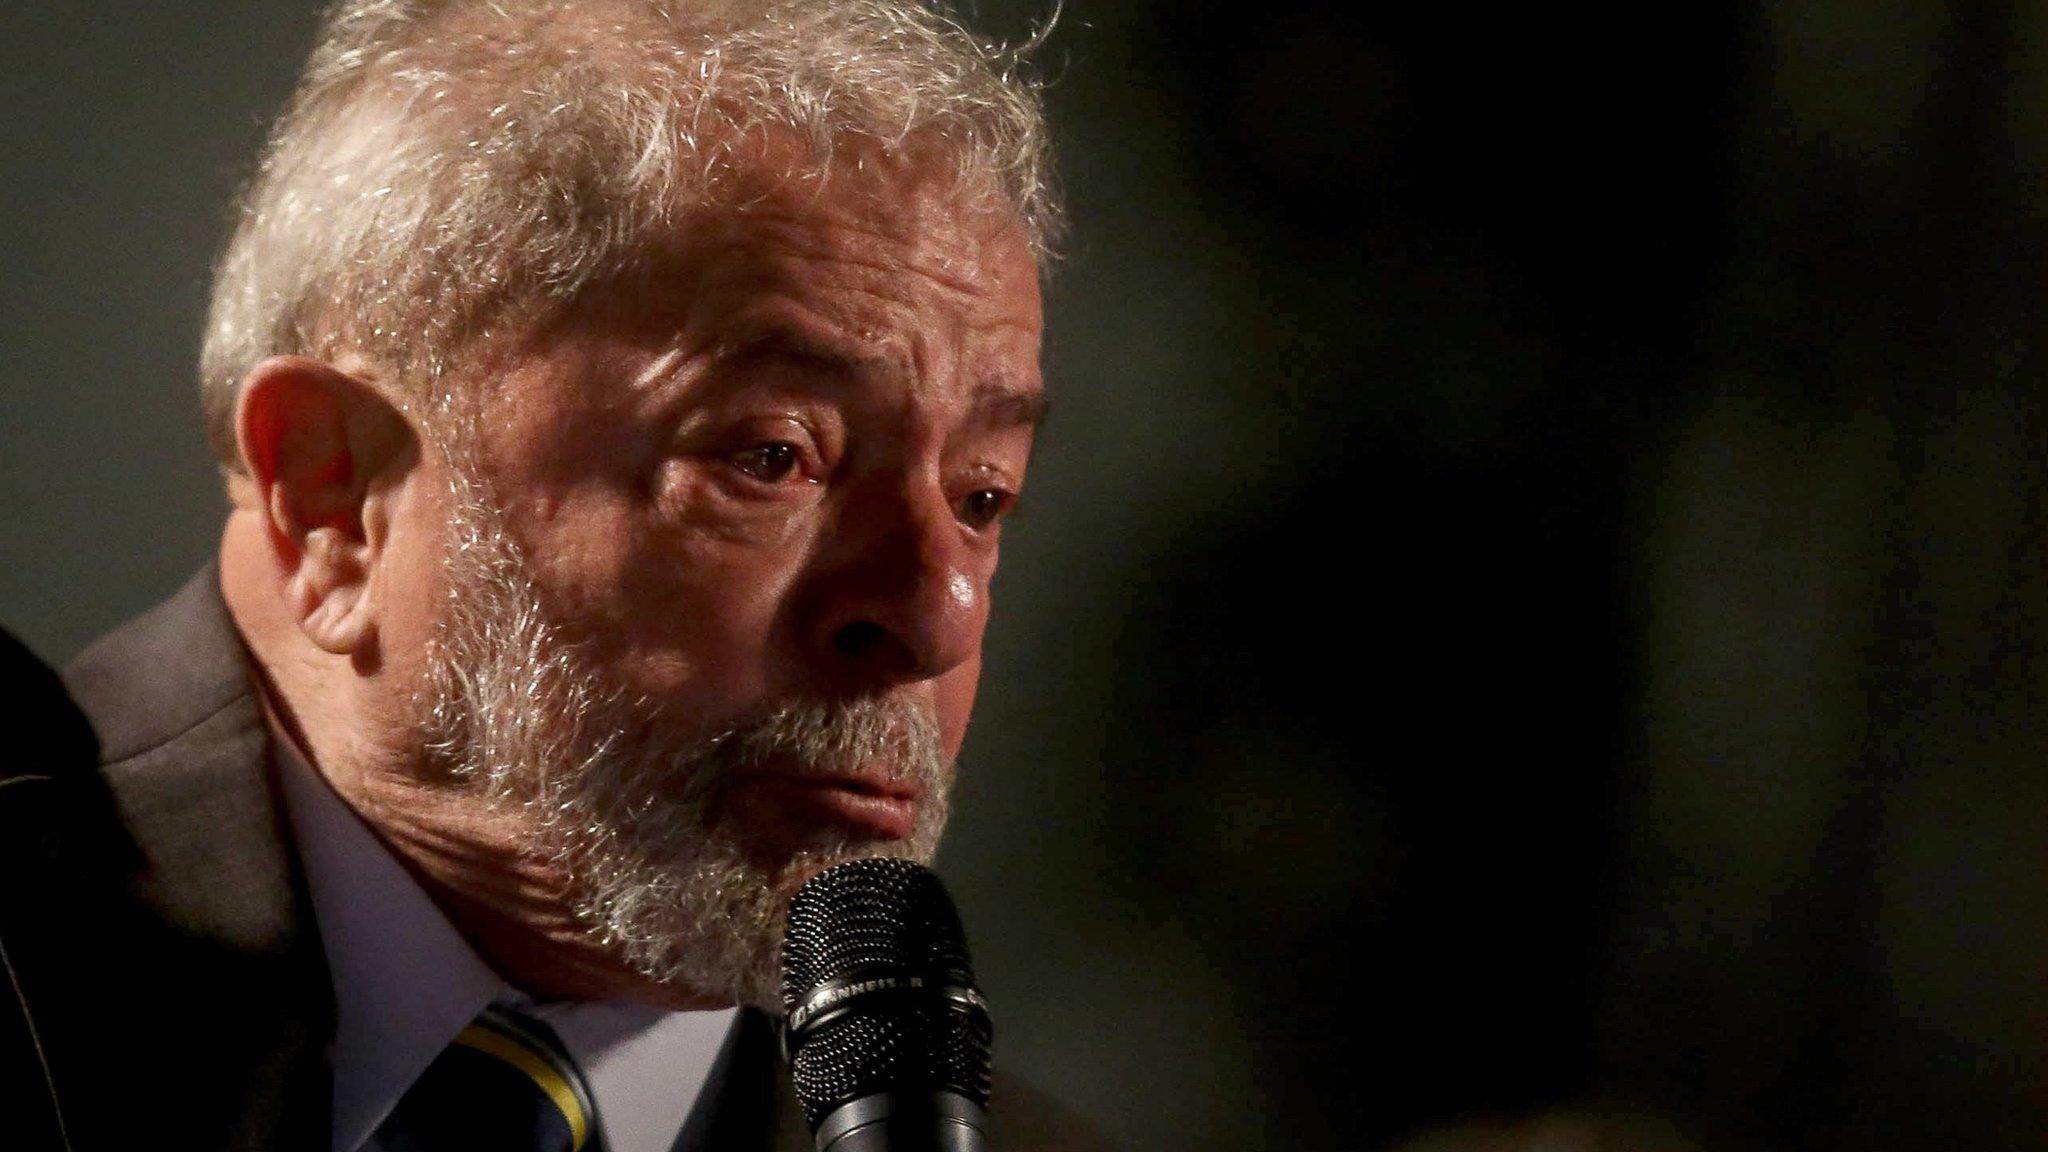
<point x="882" y="918"/>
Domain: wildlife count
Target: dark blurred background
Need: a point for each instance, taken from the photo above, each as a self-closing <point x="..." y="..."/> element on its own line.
<point x="1524" y="630"/>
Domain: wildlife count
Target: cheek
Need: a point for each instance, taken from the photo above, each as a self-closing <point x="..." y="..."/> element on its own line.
<point x="412" y="592"/>
<point x="953" y="701"/>
<point x="670" y="609"/>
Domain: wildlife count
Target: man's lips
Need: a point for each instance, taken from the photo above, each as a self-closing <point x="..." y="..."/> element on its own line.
<point x="869" y="802"/>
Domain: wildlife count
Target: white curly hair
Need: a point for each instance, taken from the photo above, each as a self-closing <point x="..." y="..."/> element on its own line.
<point x="446" y="164"/>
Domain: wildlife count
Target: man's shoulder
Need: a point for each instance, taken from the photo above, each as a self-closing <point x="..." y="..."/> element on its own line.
<point x="163" y="674"/>
<point x="180" y="791"/>
<point x="154" y="894"/>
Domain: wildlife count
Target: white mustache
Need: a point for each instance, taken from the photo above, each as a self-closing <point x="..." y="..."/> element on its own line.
<point x="841" y="736"/>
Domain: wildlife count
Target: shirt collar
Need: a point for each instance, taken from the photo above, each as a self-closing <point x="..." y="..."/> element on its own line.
<point x="405" y="982"/>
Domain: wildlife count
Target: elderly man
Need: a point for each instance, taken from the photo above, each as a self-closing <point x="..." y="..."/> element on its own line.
<point x="619" y="403"/>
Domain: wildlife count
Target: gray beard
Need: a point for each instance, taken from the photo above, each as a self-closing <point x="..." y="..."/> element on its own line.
<point x="618" y="801"/>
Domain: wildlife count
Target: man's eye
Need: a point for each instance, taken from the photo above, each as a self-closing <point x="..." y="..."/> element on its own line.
<point x="768" y="462"/>
<point x="980" y="508"/>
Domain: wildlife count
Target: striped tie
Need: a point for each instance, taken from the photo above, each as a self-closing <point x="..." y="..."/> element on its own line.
<point x="504" y="1085"/>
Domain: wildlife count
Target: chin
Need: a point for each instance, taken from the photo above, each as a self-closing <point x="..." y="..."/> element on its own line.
<point x="704" y="916"/>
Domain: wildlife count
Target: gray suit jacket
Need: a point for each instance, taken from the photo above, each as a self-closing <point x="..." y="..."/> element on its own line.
<point x="168" y="985"/>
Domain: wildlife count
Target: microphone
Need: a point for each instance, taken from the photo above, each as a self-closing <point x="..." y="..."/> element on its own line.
<point x="887" y="1035"/>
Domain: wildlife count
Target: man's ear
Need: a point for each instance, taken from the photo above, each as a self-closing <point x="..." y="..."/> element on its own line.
<point x="323" y="449"/>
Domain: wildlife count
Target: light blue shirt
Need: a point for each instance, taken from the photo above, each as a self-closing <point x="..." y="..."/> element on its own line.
<point x="405" y="982"/>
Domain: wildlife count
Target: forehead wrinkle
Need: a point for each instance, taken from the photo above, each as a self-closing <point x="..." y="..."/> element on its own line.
<point x="659" y="371"/>
<point x="917" y="221"/>
<point x="776" y="320"/>
<point x="875" y="264"/>
<point x="838" y="318"/>
<point x="995" y="399"/>
<point x="836" y="282"/>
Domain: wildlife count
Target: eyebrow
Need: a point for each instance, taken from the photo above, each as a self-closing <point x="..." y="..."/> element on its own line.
<point x="1000" y="406"/>
<point x="995" y="403"/>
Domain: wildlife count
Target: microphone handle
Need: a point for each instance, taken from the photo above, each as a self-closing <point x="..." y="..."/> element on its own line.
<point x="931" y="1121"/>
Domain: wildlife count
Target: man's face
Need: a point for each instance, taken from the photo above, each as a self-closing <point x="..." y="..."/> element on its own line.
<point x="755" y="496"/>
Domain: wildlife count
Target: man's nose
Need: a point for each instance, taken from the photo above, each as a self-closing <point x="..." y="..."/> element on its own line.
<point x="900" y="591"/>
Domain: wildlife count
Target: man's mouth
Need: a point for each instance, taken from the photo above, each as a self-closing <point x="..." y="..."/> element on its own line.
<point x="870" y="803"/>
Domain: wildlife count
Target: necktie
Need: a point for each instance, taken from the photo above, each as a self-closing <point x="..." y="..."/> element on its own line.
<point x="505" y="1084"/>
